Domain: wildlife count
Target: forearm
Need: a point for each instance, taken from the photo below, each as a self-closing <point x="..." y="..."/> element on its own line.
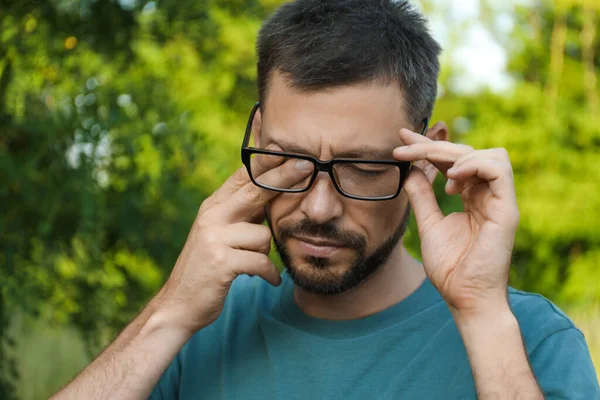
<point x="497" y="355"/>
<point x="132" y="365"/>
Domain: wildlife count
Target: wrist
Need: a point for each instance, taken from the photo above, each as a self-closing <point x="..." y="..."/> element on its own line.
<point x="496" y="352"/>
<point x="160" y="322"/>
<point x="496" y="317"/>
<point x="168" y="315"/>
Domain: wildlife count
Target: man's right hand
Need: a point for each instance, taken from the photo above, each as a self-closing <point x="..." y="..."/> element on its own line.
<point x="227" y="240"/>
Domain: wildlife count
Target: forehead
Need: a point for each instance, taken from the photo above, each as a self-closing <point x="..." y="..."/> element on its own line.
<point x="332" y="121"/>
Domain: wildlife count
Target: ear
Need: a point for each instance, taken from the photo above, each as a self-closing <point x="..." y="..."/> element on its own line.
<point x="439" y="131"/>
<point x="256" y="127"/>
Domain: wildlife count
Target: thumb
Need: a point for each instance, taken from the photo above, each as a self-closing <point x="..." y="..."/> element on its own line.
<point x="422" y="199"/>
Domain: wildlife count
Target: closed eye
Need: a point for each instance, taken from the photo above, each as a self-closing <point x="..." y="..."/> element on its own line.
<point x="368" y="171"/>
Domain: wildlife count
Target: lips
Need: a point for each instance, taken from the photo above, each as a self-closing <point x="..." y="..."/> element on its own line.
<point x="317" y="248"/>
<point x="317" y="242"/>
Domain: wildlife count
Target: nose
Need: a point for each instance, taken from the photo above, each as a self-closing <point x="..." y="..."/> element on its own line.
<point x="322" y="202"/>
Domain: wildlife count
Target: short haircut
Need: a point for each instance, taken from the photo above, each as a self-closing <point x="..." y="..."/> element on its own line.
<point x="321" y="44"/>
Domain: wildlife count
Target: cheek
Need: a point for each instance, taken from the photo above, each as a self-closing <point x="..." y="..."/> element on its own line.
<point x="282" y="206"/>
<point x="379" y="220"/>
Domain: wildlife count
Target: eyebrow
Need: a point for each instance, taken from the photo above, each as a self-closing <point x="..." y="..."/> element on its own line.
<point x="366" y="152"/>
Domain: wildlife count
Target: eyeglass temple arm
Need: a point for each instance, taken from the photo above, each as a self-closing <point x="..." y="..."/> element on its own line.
<point x="425" y="125"/>
<point x="249" y="125"/>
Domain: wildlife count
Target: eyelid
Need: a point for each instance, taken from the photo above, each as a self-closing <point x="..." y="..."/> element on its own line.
<point x="378" y="167"/>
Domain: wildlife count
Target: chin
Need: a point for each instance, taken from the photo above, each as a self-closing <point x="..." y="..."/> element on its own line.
<point x="320" y="276"/>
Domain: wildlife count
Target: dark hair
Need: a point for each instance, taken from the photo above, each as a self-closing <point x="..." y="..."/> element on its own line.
<point x="327" y="43"/>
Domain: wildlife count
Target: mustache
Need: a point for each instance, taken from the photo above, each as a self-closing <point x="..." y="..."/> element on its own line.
<point x="328" y="231"/>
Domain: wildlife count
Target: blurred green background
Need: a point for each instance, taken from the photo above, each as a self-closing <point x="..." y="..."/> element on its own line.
<point x="117" y="118"/>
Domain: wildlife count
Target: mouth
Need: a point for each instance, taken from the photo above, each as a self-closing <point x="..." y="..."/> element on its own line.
<point x="316" y="247"/>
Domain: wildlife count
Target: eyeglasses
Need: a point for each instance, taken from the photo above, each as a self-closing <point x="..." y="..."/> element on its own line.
<point x="369" y="180"/>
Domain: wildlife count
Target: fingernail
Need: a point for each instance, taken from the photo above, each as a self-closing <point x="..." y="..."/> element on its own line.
<point x="303" y="165"/>
<point x="449" y="183"/>
<point x="452" y="170"/>
<point x="401" y="148"/>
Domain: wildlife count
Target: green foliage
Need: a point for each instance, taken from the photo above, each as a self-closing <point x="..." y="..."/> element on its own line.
<point x="550" y="125"/>
<point x="116" y="122"/>
<point x="48" y="356"/>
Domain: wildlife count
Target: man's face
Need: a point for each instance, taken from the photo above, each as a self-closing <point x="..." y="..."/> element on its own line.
<point x="350" y="238"/>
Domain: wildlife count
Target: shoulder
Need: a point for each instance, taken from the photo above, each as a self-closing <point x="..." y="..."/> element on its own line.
<point x="538" y="317"/>
<point x="557" y="349"/>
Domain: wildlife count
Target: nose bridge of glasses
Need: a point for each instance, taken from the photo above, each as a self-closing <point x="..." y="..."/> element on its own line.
<point x="326" y="167"/>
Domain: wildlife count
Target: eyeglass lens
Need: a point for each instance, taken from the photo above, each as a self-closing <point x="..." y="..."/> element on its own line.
<point x="356" y="179"/>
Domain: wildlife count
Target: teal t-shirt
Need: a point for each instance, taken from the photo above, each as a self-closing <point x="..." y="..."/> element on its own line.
<point x="263" y="346"/>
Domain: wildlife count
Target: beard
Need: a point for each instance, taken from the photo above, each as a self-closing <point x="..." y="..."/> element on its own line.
<point x="362" y="266"/>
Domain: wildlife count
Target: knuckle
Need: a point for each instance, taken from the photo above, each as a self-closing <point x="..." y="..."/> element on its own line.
<point x="251" y="193"/>
<point x="513" y="218"/>
<point x="210" y="238"/>
<point x="507" y="169"/>
<point x="206" y="204"/>
<point x="264" y="236"/>
<point x="502" y="152"/>
<point x="517" y="216"/>
<point x="263" y="161"/>
<point x="201" y="225"/>
<point x="266" y="233"/>
<point x="224" y="277"/>
<point x="240" y="177"/>
<point x="265" y="248"/>
<point x="217" y="256"/>
<point x="263" y="261"/>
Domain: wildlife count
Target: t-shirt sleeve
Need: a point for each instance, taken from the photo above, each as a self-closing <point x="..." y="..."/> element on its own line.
<point x="564" y="368"/>
<point x="167" y="387"/>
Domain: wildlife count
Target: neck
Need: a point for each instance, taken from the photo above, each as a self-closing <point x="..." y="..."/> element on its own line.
<point x="390" y="284"/>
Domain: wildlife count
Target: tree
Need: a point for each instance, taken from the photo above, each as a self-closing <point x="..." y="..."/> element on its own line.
<point x="549" y="122"/>
<point x="108" y="145"/>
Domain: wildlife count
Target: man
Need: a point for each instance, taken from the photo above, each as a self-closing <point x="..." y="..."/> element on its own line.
<point x="346" y="90"/>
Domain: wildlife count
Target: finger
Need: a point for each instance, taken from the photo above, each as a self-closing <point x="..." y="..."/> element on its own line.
<point x="258" y="217"/>
<point x="498" y="154"/>
<point x="261" y="163"/>
<point x="497" y="174"/>
<point x="432" y="151"/>
<point x="458" y="186"/>
<point x="258" y="164"/>
<point x="255" y="264"/>
<point x="453" y="150"/>
<point x="247" y="236"/>
<point x="250" y="198"/>
<point x="409" y="137"/>
<point x="421" y="197"/>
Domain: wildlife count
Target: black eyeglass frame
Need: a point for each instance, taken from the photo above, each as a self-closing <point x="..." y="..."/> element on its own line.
<point x="320" y="166"/>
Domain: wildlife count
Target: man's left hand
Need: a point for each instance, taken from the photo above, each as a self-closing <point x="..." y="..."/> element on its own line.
<point x="466" y="255"/>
